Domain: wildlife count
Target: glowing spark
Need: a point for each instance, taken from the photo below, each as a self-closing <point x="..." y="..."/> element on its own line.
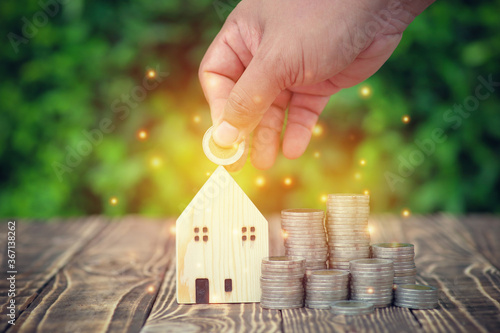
<point x="317" y="130"/>
<point x="285" y="234"/>
<point x="151" y="74"/>
<point x="366" y="192"/>
<point x="156" y="162"/>
<point x="324" y="197"/>
<point x="406" y="119"/>
<point x="208" y="173"/>
<point x="362" y="162"/>
<point x="260" y="181"/>
<point x="196" y="119"/>
<point x="370" y="229"/>
<point x="288" y="181"/>
<point x="370" y="290"/>
<point x="142" y="135"/>
<point x="173" y="229"/>
<point x="151" y="289"/>
<point x="406" y="212"/>
<point x="365" y="91"/>
<point x="357" y="176"/>
<point x="113" y="201"/>
<point x="317" y="154"/>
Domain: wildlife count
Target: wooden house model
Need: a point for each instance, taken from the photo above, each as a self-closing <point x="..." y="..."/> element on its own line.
<point x="221" y="238"/>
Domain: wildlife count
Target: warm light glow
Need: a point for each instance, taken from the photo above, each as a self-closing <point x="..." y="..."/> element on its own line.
<point x="406" y="119"/>
<point x="366" y="192"/>
<point x="235" y="231"/>
<point x="317" y="154"/>
<point x="317" y="130"/>
<point x="151" y="74"/>
<point x="142" y="135"/>
<point x="362" y="162"/>
<point x="151" y="289"/>
<point x="406" y="212"/>
<point x="208" y="173"/>
<point x="370" y="229"/>
<point x="173" y="229"/>
<point x="357" y="176"/>
<point x="260" y="181"/>
<point x="370" y="290"/>
<point x="196" y="119"/>
<point x="324" y="197"/>
<point x="156" y="162"/>
<point x="365" y="91"/>
<point x="113" y="201"/>
<point x="288" y="181"/>
<point x="257" y="99"/>
<point x="285" y="234"/>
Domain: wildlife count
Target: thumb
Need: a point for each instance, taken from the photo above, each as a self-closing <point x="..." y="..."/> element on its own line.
<point x="250" y="98"/>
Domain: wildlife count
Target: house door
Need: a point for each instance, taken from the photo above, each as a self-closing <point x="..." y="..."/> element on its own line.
<point x="202" y="291"/>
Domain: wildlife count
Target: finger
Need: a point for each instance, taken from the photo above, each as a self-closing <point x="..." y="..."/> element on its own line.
<point x="303" y="114"/>
<point x="250" y="98"/>
<point x="222" y="65"/>
<point x="266" y="136"/>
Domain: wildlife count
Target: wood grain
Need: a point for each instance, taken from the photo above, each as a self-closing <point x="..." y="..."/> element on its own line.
<point x="169" y="316"/>
<point x="109" y="286"/>
<point x="220" y="235"/>
<point x="448" y="257"/>
<point x="484" y="231"/>
<point x="42" y="249"/>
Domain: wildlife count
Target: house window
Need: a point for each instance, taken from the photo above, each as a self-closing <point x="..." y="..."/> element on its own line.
<point x="228" y="285"/>
<point x="196" y="230"/>
<point x="252" y="238"/>
<point x="196" y="238"/>
<point x="244" y="229"/>
<point x="243" y="238"/>
<point x="252" y="229"/>
<point x="205" y="238"/>
<point x="248" y="233"/>
<point x="205" y="230"/>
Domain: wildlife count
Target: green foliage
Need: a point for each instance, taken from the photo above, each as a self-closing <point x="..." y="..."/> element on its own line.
<point x="87" y="65"/>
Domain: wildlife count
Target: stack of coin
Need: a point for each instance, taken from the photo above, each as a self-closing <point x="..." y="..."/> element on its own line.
<point x="304" y="236"/>
<point x="351" y="307"/>
<point x="281" y="282"/>
<point x="326" y="286"/>
<point x="403" y="255"/>
<point x="372" y="281"/>
<point x="416" y="296"/>
<point x="347" y="227"/>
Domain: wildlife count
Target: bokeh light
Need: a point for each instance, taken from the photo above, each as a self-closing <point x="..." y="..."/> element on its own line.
<point x="156" y="162"/>
<point x="260" y="181"/>
<point x="365" y="91"/>
<point x="405" y="212"/>
<point x="317" y="130"/>
<point x="151" y="74"/>
<point x="113" y="201"/>
<point x="142" y="135"/>
<point x="362" y="162"/>
<point x="406" y="119"/>
<point x="288" y="181"/>
<point x="196" y="119"/>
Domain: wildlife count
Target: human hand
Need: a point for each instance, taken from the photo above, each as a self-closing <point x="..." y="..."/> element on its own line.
<point x="270" y="55"/>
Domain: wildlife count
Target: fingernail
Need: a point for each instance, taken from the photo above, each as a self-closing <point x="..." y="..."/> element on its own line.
<point x="225" y="134"/>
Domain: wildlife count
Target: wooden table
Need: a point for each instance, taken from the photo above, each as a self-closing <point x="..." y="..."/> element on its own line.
<point x="98" y="275"/>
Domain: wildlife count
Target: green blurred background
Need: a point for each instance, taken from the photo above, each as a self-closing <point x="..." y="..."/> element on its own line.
<point x="88" y="65"/>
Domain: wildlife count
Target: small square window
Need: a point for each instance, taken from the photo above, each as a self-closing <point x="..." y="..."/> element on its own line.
<point x="205" y="238"/>
<point x="196" y="229"/>
<point x="252" y="237"/>
<point x="244" y="238"/>
<point x="205" y="229"/>
<point x="252" y="229"/>
<point x="228" y="285"/>
<point x="196" y="238"/>
<point x="244" y="229"/>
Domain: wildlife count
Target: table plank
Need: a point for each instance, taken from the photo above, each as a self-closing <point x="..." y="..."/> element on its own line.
<point x="168" y="316"/>
<point x="42" y="249"/>
<point x="447" y="257"/>
<point x="485" y="231"/>
<point x="109" y="286"/>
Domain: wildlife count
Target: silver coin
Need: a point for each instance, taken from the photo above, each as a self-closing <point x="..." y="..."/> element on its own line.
<point x="416" y="306"/>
